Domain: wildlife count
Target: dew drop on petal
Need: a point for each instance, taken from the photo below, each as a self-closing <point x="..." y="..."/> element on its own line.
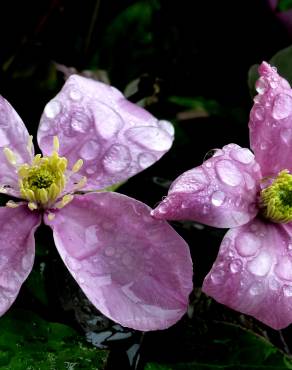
<point x="228" y="173"/>
<point x="150" y="137"/>
<point x="247" y="244"/>
<point x="261" y="86"/>
<point x="242" y="155"/>
<point x="259" y="114"/>
<point x="146" y="159"/>
<point x="52" y="109"/>
<point x="282" y="107"/>
<point x="283" y="268"/>
<point x="217" y="276"/>
<point x="89" y="150"/>
<point x="256" y="288"/>
<point x="261" y="264"/>
<point x="286" y="135"/>
<point x="109" y="251"/>
<point x="74" y="95"/>
<point x="287" y="290"/>
<point x="235" y="266"/>
<point x="218" y="198"/>
<point x="116" y="159"/>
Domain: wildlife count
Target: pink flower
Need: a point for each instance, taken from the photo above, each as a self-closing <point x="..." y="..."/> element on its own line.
<point x="252" y="194"/>
<point x="135" y="270"/>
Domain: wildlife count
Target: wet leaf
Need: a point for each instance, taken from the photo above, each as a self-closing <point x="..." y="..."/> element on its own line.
<point x="284" y="5"/>
<point x="28" y="342"/>
<point x="233" y="348"/>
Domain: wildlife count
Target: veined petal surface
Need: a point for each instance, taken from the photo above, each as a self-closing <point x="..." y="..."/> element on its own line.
<point x="14" y="135"/>
<point x="94" y="122"/>
<point x="270" y="122"/>
<point x="221" y="192"/>
<point x="17" y="250"/>
<point x="253" y="272"/>
<point x="136" y="270"/>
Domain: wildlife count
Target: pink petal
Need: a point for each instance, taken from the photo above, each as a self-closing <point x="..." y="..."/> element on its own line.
<point x="115" y="138"/>
<point x="14" y="135"/>
<point x="16" y="251"/>
<point x="271" y="122"/>
<point x="221" y="193"/>
<point x="134" y="269"/>
<point x="253" y="272"/>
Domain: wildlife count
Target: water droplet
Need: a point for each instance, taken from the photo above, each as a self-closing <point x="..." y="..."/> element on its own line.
<point x="283" y="268"/>
<point x="116" y="159"/>
<point x="261" y="264"/>
<point x="282" y="107"/>
<point x="259" y="114"/>
<point x="218" y="198"/>
<point x="235" y="266"/>
<point x="247" y="244"/>
<point x="228" y="173"/>
<point x="242" y="155"/>
<point x="286" y="135"/>
<point x="77" y="125"/>
<point x="263" y="145"/>
<point x="273" y="83"/>
<point x="89" y="150"/>
<point x="256" y="288"/>
<point x="127" y="259"/>
<point x="52" y="109"/>
<point x="146" y="159"/>
<point x="90" y="170"/>
<point x="287" y="290"/>
<point x="167" y="126"/>
<point x="257" y="99"/>
<point x="150" y="137"/>
<point x="208" y="164"/>
<point x="261" y="86"/>
<point x="109" y="251"/>
<point x="217" y="276"/>
<point x="273" y="284"/>
<point x="75" y="95"/>
<point x="249" y="181"/>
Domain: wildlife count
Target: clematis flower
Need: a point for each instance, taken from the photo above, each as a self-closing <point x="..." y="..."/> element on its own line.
<point x="134" y="269"/>
<point x="252" y="195"/>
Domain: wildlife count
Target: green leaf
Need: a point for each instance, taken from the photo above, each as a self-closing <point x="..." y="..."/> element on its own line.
<point x="196" y="103"/>
<point x="228" y="346"/>
<point x="281" y="60"/>
<point x="28" y="342"/>
<point x="284" y="5"/>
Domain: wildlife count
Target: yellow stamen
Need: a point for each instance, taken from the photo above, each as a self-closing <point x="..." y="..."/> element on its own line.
<point x="81" y="183"/>
<point x="65" y="200"/>
<point x="29" y="145"/>
<point x="56" y="144"/>
<point x="10" y="156"/>
<point x="77" y="166"/>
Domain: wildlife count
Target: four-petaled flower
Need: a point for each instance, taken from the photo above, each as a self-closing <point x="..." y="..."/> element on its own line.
<point x="252" y="194"/>
<point x="133" y="268"/>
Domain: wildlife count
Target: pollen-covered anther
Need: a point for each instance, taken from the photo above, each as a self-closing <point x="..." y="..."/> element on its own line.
<point x="12" y="204"/>
<point x="276" y="199"/>
<point x="77" y="166"/>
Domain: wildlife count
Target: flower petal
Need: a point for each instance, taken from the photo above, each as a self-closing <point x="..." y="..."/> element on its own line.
<point x="221" y="192"/>
<point x="271" y="122"/>
<point x="17" y="249"/>
<point x="253" y="272"/>
<point x="94" y="122"/>
<point x="133" y="268"/>
<point x="14" y="135"/>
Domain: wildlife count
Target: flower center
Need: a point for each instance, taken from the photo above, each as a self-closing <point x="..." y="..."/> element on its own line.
<point x="42" y="182"/>
<point x="276" y="199"/>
